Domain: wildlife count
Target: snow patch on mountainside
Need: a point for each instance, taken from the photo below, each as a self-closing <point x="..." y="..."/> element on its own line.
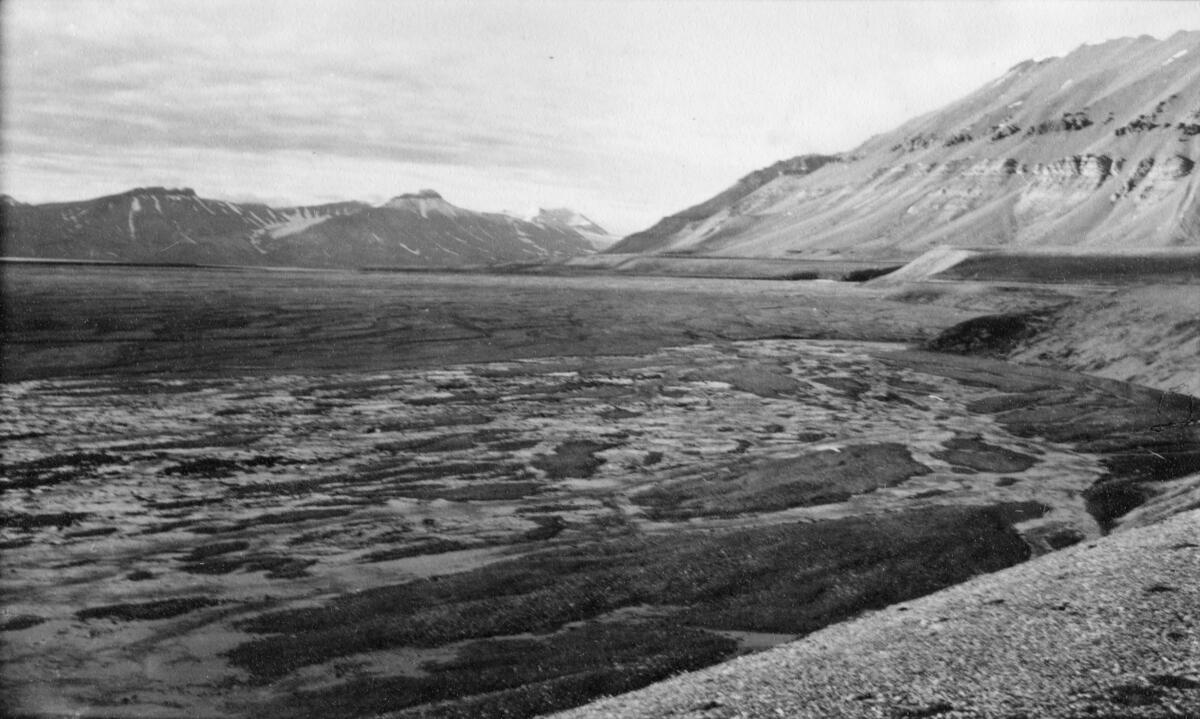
<point x="295" y="223"/>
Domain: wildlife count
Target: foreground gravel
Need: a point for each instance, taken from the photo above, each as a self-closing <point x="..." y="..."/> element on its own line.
<point x="1108" y="629"/>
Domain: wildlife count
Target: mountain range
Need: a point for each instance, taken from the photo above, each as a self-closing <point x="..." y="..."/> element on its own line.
<point x="1094" y="150"/>
<point x="161" y="225"/>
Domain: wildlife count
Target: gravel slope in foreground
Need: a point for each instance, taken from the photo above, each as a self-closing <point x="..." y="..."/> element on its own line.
<point x="1107" y="629"/>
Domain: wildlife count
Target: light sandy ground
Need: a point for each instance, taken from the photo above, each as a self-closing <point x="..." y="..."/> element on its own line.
<point x="1110" y="628"/>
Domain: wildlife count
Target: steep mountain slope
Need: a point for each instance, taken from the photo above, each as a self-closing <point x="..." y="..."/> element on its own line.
<point x="703" y="219"/>
<point x="156" y="224"/>
<point x="564" y="217"/>
<point x="1094" y="150"/>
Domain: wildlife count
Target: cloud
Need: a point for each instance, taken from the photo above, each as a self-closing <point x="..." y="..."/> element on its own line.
<point x="640" y="108"/>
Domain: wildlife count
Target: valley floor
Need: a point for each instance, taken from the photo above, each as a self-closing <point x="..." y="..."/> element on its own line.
<point x="340" y="494"/>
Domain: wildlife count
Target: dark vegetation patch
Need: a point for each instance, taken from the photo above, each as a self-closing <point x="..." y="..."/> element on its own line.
<point x="548" y="527"/>
<point x="893" y="398"/>
<point x="769" y="381"/>
<point x="515" y="445"/>
<point x="617" y="413"/>
<point x="869" y="273"/>
<point x="785" y="578"/>
<point x="94" y="532"/>
<point x="458" y="419"/>
<point x="190" y="502"/>
<point x="206" y="551"/>
<point x="17" y="436"/>
<point x="1120" y="269"/>
<point x="26" y="522"/>
<point x="52" y="470"/>
<point x="477" y="492"/>
<point x="808" y="437"/>
<point x="276" y="566"/>
<point x="207" y="441"/>
<point x="805" y="480"/>
<point x="213" y="467"/>
<point x="922" y="711"/>
<point x="852" y="388"/>
<point x="976" y="454"/>
<point x="1063" y="538"/>
<point x="21" y="621"/>
<point x="446" y="443"/>
<point x="296" y="515"/>
<point x="162" y="609"/>
<point x="436" y="545"/>
<point x="1141" y="437"/>
<point x="574" y="458"/>
<point x="991" y="335"/>
<point x="527" y="677"/>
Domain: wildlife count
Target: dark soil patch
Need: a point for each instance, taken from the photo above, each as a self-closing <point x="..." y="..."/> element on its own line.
<point x="976" y="454"/>
<point x="806" y="480"/>
<point x="162" y="609"/>
<point x="574" y="458"/>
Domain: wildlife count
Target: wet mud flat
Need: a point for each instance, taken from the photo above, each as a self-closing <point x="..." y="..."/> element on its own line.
<point x="508" y="538"/>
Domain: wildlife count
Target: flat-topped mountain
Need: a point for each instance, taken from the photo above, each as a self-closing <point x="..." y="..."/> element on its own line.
<point x="156" y="225"/>
<point x="1094" y="150"/>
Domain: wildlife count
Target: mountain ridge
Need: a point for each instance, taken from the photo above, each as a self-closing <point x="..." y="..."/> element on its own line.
<point x="176" y="225"/>
<point x="1094" y="149"/>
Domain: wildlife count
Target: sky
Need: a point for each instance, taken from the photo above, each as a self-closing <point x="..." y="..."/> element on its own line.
<point x="625" y="111"/>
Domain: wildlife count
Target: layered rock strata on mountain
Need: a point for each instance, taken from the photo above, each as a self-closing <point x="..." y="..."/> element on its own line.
<point x="160" y="225"/>
<point x="1094" y="150"/>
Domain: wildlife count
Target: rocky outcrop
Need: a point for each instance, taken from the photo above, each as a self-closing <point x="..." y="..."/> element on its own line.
<point x="1095" y="149"/>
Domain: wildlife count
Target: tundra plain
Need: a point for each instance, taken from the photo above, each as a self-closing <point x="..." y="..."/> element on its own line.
<point x="337" y="494"/>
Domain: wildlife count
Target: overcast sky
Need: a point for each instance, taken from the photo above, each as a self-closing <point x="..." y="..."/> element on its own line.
<point x="626" y="111"/>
